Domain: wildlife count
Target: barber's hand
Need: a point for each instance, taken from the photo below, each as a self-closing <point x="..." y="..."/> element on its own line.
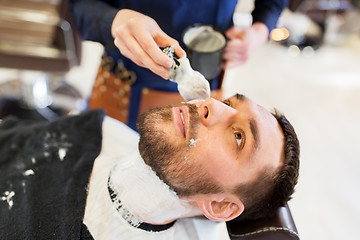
<point x="139" y="37"/>
<point x="242" y="44"/>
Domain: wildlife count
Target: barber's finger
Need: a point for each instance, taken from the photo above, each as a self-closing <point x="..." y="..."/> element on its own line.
<point x="230" y="51"/>
<point x="178" y="50"/>
<point x="154" y="52"/>
<point x="127" y="52"/>
<point x="235" y="44"/>
<point x="147" y="61"/>
<point x="235" y="32"/>
<point x="235" y="56"/>
<point x="164" y="40"/>
<point x="237" y="47"/>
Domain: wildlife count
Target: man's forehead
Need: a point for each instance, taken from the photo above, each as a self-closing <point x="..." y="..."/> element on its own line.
<point x="240" y="98"/>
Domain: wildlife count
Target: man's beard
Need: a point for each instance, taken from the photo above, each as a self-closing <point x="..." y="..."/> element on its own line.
<point x="168" y="160"/>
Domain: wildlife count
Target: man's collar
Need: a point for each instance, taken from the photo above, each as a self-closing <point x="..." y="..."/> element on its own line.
<point x="129" y="217"/>
<point x="144" y="194"/>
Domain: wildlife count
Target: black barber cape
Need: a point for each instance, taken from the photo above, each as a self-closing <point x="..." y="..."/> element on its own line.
<point x="44" y="172"/>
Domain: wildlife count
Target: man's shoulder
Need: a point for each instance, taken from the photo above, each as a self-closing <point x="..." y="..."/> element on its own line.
<point x="45" y="170"/>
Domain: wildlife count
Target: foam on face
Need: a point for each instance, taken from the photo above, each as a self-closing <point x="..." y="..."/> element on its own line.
<point x="28" y="172"/>
<point x="62" y="153"/>
<point x="8" y="197"/>
<point x="193" y="142"/>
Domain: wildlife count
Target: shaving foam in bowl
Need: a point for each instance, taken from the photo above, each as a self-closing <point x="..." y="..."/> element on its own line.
<point x="204" y="45"/>
<point x="204" y="39"/>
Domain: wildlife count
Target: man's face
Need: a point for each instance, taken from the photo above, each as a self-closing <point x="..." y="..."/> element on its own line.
<point x="228" y="143"/>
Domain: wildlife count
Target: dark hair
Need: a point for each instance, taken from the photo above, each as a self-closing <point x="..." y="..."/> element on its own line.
<point x="271" y="190"/>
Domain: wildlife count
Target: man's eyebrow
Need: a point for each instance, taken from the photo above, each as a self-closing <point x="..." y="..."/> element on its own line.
<point x="255" y="132"/>
<point x="253" y="125"/>
<point x="240" y="97"/>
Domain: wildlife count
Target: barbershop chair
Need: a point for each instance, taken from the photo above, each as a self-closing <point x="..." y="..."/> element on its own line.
<point x="280" y="227"/>
<point x="38" y="42"/>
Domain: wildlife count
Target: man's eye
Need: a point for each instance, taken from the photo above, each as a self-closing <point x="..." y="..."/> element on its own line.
<point x="239" y="138"/>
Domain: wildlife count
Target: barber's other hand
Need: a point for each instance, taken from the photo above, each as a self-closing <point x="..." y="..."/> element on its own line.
<point x="242" y="44"/>
<point x="139" y="37"/>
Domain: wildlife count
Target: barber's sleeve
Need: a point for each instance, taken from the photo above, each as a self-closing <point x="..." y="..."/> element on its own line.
<point x="268" y="11"/>
<point x="93" y="19"/>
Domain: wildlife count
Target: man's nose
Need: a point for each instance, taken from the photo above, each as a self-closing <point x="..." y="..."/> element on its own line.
<point x="213" y="112"/>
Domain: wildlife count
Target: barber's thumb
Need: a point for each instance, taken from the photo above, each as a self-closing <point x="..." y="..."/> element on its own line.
<point x="235" y="32"/>
<point x="164" y="40"/>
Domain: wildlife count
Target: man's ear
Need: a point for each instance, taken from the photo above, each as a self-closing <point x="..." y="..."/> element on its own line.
<point x="220" y="207"/>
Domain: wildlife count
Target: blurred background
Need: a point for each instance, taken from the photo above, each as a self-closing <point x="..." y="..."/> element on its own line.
<point x="309" y="70"/>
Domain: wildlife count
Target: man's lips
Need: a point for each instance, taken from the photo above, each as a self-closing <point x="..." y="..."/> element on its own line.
<point x="181" y="118"/>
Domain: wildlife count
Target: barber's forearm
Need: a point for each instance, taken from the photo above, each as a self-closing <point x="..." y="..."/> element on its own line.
<point x="93" y="20"/>
<point x="268" y="12"/>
